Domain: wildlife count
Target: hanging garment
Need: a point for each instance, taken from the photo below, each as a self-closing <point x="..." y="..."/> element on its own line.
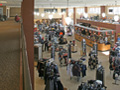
<point x="60" y="86"/>
<point x="84" y="68"/>
<point x="91" y="85"/>
<point x="100" y="74"/>
<point x="93" y="61"/>
<point x="49" y="84"/>
<point x="76" y="70"/>
<point x="69" y="70"/>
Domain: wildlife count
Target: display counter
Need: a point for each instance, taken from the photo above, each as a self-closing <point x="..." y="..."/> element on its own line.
<point x="115" y="27"/>
<point x="92" y="36"/>
<point x="101" y="47"/>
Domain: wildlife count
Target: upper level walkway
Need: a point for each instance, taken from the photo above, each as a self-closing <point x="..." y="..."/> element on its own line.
<point x="9" y="55"/>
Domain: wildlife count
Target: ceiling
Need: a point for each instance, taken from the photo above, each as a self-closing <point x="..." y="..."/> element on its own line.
<point x="62" y="3"/>
<point x="73" y="3"/>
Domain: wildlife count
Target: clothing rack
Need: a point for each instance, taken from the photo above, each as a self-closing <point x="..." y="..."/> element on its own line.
<point x="92" y="85"/>
<point x="62" y="54"/>
<point x="76" y="68"/>
<point x="93" y="60"/>
<point x="100" y="74"/>
<point x="48" y="69"/>
<point x="114" y="60"/>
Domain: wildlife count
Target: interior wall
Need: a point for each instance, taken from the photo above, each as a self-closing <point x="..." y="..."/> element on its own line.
<point x="71" y="14"/>
<point x="78" y="15"/>
<point x="89" y="14"/>
<point x="41" y="10"/>
<point x="4" y="9"/>
<point x="106" y="11"/>
<point x="14" y="11"/>
<point x="110" y="15"/>
<point x="56" y="15"/>
<point x="92" y="14"/>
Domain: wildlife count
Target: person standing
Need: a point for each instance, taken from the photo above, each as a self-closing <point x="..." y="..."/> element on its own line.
<point x="60" y="54"/>
<point x="17" y="18"/>
<point x="46" y="45"/>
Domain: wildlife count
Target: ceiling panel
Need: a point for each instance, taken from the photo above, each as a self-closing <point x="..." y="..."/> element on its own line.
<point x="73" y="3"/>
<point x="63" y="3"/>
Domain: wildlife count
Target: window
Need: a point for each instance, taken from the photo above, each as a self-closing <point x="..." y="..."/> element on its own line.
<point x="70" y="10"/>
<point x="110" y="10"/>
<point x="114" y="10"/>
<point x="80" y="10"/>
<point x="94" y="10"/>
<point x="50" y="10"/>
<point x="36" y="10"/>
<point x="63" y="10"/>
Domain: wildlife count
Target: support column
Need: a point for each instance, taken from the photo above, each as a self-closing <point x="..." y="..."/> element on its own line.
<point x="63" y="20"/>
<point x="86" y="9"/>
<point x="28" y="25"/>
<point x="117" y="32"/>
<point x="74" y="15"/>
<point x="102" y="10"/>
<point x="66" y="12"/>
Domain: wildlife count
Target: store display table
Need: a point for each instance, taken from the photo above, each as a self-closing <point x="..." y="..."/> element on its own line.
<point x="101" y="46"/>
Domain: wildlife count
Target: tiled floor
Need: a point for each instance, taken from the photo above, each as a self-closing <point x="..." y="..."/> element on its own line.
<point x="73" y="84"/>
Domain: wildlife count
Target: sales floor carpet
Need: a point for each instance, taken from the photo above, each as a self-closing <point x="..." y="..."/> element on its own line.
<point x="9" y="55"/>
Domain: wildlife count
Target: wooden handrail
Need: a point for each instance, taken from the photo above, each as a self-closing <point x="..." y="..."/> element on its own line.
<point x="21" y="63"/>
<point x="25" y="83"/>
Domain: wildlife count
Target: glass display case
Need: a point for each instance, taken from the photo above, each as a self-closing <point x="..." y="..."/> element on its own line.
<point x="104" y="38"/>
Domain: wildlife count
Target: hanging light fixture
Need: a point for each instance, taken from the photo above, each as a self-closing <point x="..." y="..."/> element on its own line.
<point x="70" y="14"/>
<point x="60" y="13"/>
<point x="85" y="15"/>
<point x="50" y="16"/>
<point x="37" y="13"/>
<point x="68" y="19"/>
<point x="63" y="12"/>
<point x="103" y="15"/>
<point x="54" y="11"/>
<point x="116" y="18"/>
<point x="48" y="12"/>
<point x="42" y="15"/>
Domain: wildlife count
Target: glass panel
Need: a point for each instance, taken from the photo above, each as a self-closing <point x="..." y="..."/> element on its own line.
<point x="80" y="10"/>
<point x="94" y="10"/>
<point x="70" y="10"/>
<point x="63" y="10"/>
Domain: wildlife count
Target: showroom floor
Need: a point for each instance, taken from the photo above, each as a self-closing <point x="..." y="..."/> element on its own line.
<point x="73" y="84"/>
